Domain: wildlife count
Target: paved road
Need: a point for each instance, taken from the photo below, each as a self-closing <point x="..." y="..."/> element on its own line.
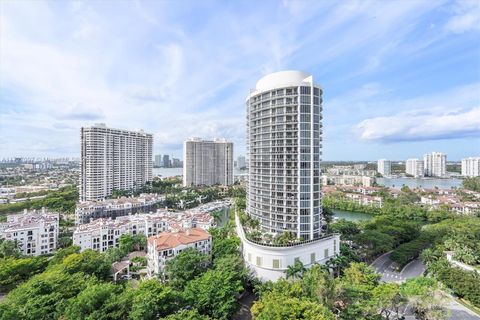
<point x="246" y="303"/>
<point x="384" y="265"/>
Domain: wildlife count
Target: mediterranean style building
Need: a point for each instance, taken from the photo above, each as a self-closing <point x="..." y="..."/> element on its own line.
<point x="102" y="234"/>
<point x="35" y="232"/>
<point x="113" y="159"/>
<point x="471" y="167"/>
<point x="207" y="162"/>
<point x="167" y="245"/>
<point x="414" y="167"/>
<point x="435" y="164"/>
<point x="284" y="143"/>
<point x="87" y="211"/>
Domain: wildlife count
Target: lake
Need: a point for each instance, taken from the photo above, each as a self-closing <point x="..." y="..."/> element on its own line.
<point x="429" y="183"/>
<point x="351" y="215"/>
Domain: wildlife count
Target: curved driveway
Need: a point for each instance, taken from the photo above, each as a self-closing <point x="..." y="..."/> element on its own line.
<point x="385" y="266"/>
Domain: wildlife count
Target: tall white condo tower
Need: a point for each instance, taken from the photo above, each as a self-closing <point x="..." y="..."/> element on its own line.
<point x="284" y="143"/>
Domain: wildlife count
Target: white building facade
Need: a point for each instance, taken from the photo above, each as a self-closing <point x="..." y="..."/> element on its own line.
<point x="435" y="164"/>
<point x="102" y="234"/>
<point x="414" y="167"/>
<point x="284" y="131"/>
<point x="166" y="246"/>
<point x="471" y="167"/>
<point x="35" y="232"/>
<point x="207" y="162"/>
<point x="113" y="159"/>
<point x="384" y="167"/>
<point x="87" y="211"/>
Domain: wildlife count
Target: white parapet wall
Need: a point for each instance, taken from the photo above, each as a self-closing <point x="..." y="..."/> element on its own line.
<point x="270" y="262"/>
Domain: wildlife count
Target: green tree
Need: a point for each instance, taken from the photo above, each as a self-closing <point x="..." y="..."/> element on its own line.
<point x="187" y="265"/>
<point x="277" y="306"/>
<point x="358" y="273"/>
<point x="295" y="270"/>
<point x="347" y="229"/>
<point x="99" y="301"/>
<point x="43" y="296"/>
<point x="89" y="262"/>
<point x="425" y="298"/>
<point x="14" y="271"/>
<point x="214" y="293"/>
<point x="61" y="254"/>
<point x="153" y="300"/>
<point x="472" y="183"/>
<point x="9" y="248"/>
<point x="186" y="315"/>
<point x="318" y="285"/>
<point x="387" y="300"/>
<point x="373" y="243"/>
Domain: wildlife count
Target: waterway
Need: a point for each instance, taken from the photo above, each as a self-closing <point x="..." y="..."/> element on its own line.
<point x="429" y="183"/>
<point x="351" y="215"/>
<point x="167" y="172"/>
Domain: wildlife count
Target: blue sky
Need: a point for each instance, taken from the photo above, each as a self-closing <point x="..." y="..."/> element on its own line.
<point x="400" y="78"/>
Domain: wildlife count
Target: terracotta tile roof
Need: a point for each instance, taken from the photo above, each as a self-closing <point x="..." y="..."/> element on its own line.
<point x="169" y="240"/>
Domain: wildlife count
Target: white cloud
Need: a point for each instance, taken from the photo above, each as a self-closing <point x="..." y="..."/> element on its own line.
<point x="448" y="115"/>
<point x="426" y="127"/>
<point x="466" y="17"/>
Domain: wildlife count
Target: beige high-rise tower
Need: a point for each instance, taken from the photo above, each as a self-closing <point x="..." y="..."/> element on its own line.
<point x="207" y="162"/>
<point x="113" y="159"/>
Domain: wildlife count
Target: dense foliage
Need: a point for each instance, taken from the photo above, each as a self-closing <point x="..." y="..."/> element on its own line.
<point x="357" y="294"/>
<point x="62" y="200"/>
<point x="77" y="285"/>
<point x="472" y="183"/>
<point x="461" y="236"/>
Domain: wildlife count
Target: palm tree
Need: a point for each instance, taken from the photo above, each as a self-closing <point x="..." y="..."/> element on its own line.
<point x="336" y="263"/>
<point x="296" y="270"/>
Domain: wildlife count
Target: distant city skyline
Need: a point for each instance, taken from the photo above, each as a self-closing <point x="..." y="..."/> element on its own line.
<point x="406" y="85"/>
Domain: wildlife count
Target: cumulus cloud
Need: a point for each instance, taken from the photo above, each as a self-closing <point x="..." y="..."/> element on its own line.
<point x="422" y="125"/>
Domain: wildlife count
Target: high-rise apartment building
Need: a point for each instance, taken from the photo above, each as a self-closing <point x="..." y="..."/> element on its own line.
<point x="284" y="143"/>
<point x="471" y="167"/>
<point x="113" y="159"/>
<point x="158" y="161"/>
<point x="384" y="167"/>
<point x="414" y="167"/>
<point x="166" y="161"/>
<point x="435" y="164"/>
<point x="207" y="162"/>
<point x="241" y="163"/>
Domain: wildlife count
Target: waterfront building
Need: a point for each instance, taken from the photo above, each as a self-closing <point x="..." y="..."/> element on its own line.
<point x="384" y="167"/>
<point x="435" y="164"/>
<point x="414" y="167"/>
<point x="166" y="161"/>
<point x="283" y="194"/>
<point x="113" y="159"/>
<point x="471" y="167"/>
<point x="87" y="211"/>
<point x="158" y="161"/>
<point x="207" y="163"/>
<point x="348" y="180"/>
<point x="166" y="246"/>
<point x="36" y="232"/>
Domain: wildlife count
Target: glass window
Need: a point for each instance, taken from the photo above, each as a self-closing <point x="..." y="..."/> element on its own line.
<point x="312" y="257"/>
<point x="325" y="253"/>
